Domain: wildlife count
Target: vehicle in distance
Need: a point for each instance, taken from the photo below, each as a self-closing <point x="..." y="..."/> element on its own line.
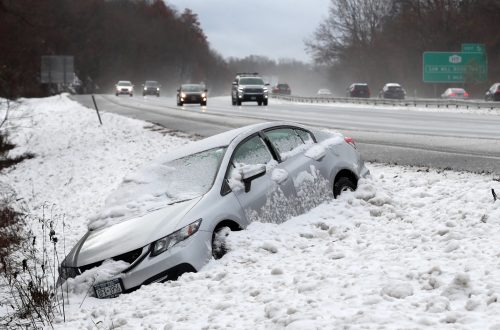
<point x="358" y="90"/>
<point x="177" y="211"/>
<point x="493" y="94"/>
<point x="455" y="93"/>
<point x="392" y="91"/>
<point x="192" y="93"/>
<point x="324" y="92"/>
<point x="282" y="89"/>
<point x="249" y="87"/>
<point x="151" y="87"/>
<point x="124" y="87"/>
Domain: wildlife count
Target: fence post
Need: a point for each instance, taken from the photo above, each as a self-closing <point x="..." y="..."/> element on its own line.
<point x="96" y="109"/>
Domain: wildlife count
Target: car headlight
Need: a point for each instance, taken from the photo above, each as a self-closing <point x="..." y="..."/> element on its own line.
<point x="183" y="95"/>
<point x="203" y="95"/>
<point x="165" y="243"/>
<point x="240" y="89"/>
<point x="265" y="90"/>
<point x="158" y="89"/>
<point x="145" y="88"/>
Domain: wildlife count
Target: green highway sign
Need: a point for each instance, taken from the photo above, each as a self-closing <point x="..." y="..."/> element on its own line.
<point x="456" y="67"/>
<point x="473" y="48"/>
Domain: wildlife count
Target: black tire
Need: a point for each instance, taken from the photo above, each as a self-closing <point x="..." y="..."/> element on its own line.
<point x="219" y="248"/>
<point x="259" y="103"/>
<point x="116" y="94"/>
<point x="203" y="104"/>
<point x="238" y="102"/>
<point x="265" y="103"/>
<point x="343" y="184"/>
<point x="233" y="101"/>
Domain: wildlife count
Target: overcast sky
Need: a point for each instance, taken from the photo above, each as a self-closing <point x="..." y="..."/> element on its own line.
<point x="273" y="28"/>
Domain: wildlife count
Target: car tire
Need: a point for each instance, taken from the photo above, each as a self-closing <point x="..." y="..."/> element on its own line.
<point x="116" y="94"/>
<point x="265" y="103"/>
<point x="238" y="102"/>
<point x="203" y="104"/>
<point x="343" y="184"/>
<point x="259" y="103"/>
<point x="219" y="248"/>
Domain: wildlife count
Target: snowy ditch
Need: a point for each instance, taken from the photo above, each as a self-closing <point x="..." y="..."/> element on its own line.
<point x="411" y="248"/>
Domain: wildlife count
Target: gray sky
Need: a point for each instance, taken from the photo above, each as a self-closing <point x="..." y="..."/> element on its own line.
<point x="273" y="28"/>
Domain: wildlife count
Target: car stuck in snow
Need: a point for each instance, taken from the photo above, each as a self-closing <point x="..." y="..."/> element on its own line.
<point x="171" y="217"/>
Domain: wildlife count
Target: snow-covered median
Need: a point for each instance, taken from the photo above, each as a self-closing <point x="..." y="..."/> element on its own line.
<point x="411" y="248"/>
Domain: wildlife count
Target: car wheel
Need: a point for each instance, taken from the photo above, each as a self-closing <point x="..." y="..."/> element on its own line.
<point x="203" y="104"/>
<point x="259" y="103"/>
<point x="116" y="94"/>
<point x="265" y="103"/>
<point x="343" y="184"/>
<point x="219" y="248"/>
<point x="238" y="102"/>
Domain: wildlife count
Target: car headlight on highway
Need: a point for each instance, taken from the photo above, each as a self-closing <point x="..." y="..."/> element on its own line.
<point x="145" y="88"/>
<point x="165" y="243"/>
<point x="203" y="95"/>
<point x="240" y="89"/>
<point x="183" y="95"/>
<point x="158" y="89"/>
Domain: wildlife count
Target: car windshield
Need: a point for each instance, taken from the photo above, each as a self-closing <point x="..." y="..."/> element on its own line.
<point x="251" y="81"/>
<point x="151" y="83"/>
<point x="192" y="88"/>
<point x="161" y="184"/>
<point x="124" y="83"/>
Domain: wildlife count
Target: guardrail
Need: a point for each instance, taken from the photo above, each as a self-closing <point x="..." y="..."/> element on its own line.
<point x="409" y="102"/>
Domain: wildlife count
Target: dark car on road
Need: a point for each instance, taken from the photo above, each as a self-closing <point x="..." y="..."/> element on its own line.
<point x="392" y="91"/>
<point x="249" y="87"/>
<point x="493" y="94"/>
<point x="192" y="93"/>
<point x="282" y="89"/>
<point x="358" y="90"/>
<point x="151" y="87"/>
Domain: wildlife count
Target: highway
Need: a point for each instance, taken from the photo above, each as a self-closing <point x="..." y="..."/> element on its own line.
<point x="445" y="140"/>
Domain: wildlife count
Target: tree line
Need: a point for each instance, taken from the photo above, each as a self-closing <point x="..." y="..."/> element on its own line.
<point x="110" y="40"/>
<point x="379" y="41"/>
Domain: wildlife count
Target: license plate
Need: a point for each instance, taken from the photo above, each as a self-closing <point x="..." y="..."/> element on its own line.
<point x="253" y="98"/>
<point x="110" y="289"/>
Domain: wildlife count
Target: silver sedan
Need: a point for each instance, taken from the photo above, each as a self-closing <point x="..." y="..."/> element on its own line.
<point x="265" y="172"/>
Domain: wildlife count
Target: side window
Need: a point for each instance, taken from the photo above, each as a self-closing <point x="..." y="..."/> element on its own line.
<point x="305" y="136"/>
<point x="251" y="152"/>
<point x="284" y="141"/>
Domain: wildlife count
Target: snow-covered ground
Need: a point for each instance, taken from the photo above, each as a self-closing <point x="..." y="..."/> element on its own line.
<point x="412" y="248"/>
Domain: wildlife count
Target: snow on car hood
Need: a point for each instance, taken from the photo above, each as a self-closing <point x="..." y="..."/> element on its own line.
<point x="108" y="242"/>
<point x="158" y="185"/>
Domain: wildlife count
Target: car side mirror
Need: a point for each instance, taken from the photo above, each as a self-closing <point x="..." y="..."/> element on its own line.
<point x="250" y="173"/>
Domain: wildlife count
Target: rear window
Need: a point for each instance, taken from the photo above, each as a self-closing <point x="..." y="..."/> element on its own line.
<point x="361" y="87"/>
<point x="395" y="88"/>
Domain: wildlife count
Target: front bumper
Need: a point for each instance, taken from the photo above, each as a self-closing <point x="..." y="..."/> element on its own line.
<point x="189" y="255"/>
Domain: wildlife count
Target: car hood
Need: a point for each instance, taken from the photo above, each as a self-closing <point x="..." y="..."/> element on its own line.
<point x="123" y="237"/>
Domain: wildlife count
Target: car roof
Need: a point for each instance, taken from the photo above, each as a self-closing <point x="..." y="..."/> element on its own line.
<point x="393" y="85"/>
<point x="225" y="139"/>
<point x="124" y="82"/>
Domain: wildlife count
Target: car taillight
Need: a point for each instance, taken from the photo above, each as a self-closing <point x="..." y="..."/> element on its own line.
<point x="350" y="141"/>
<point x="466" y="94"/>
<point x="453" y="94"/>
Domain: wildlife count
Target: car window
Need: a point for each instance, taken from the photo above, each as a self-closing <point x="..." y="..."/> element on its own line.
<point x="284" y="140"/>
<point x="251" y="81"/>
<point x="251" y="152"/>
<point x="305" y="136"/>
